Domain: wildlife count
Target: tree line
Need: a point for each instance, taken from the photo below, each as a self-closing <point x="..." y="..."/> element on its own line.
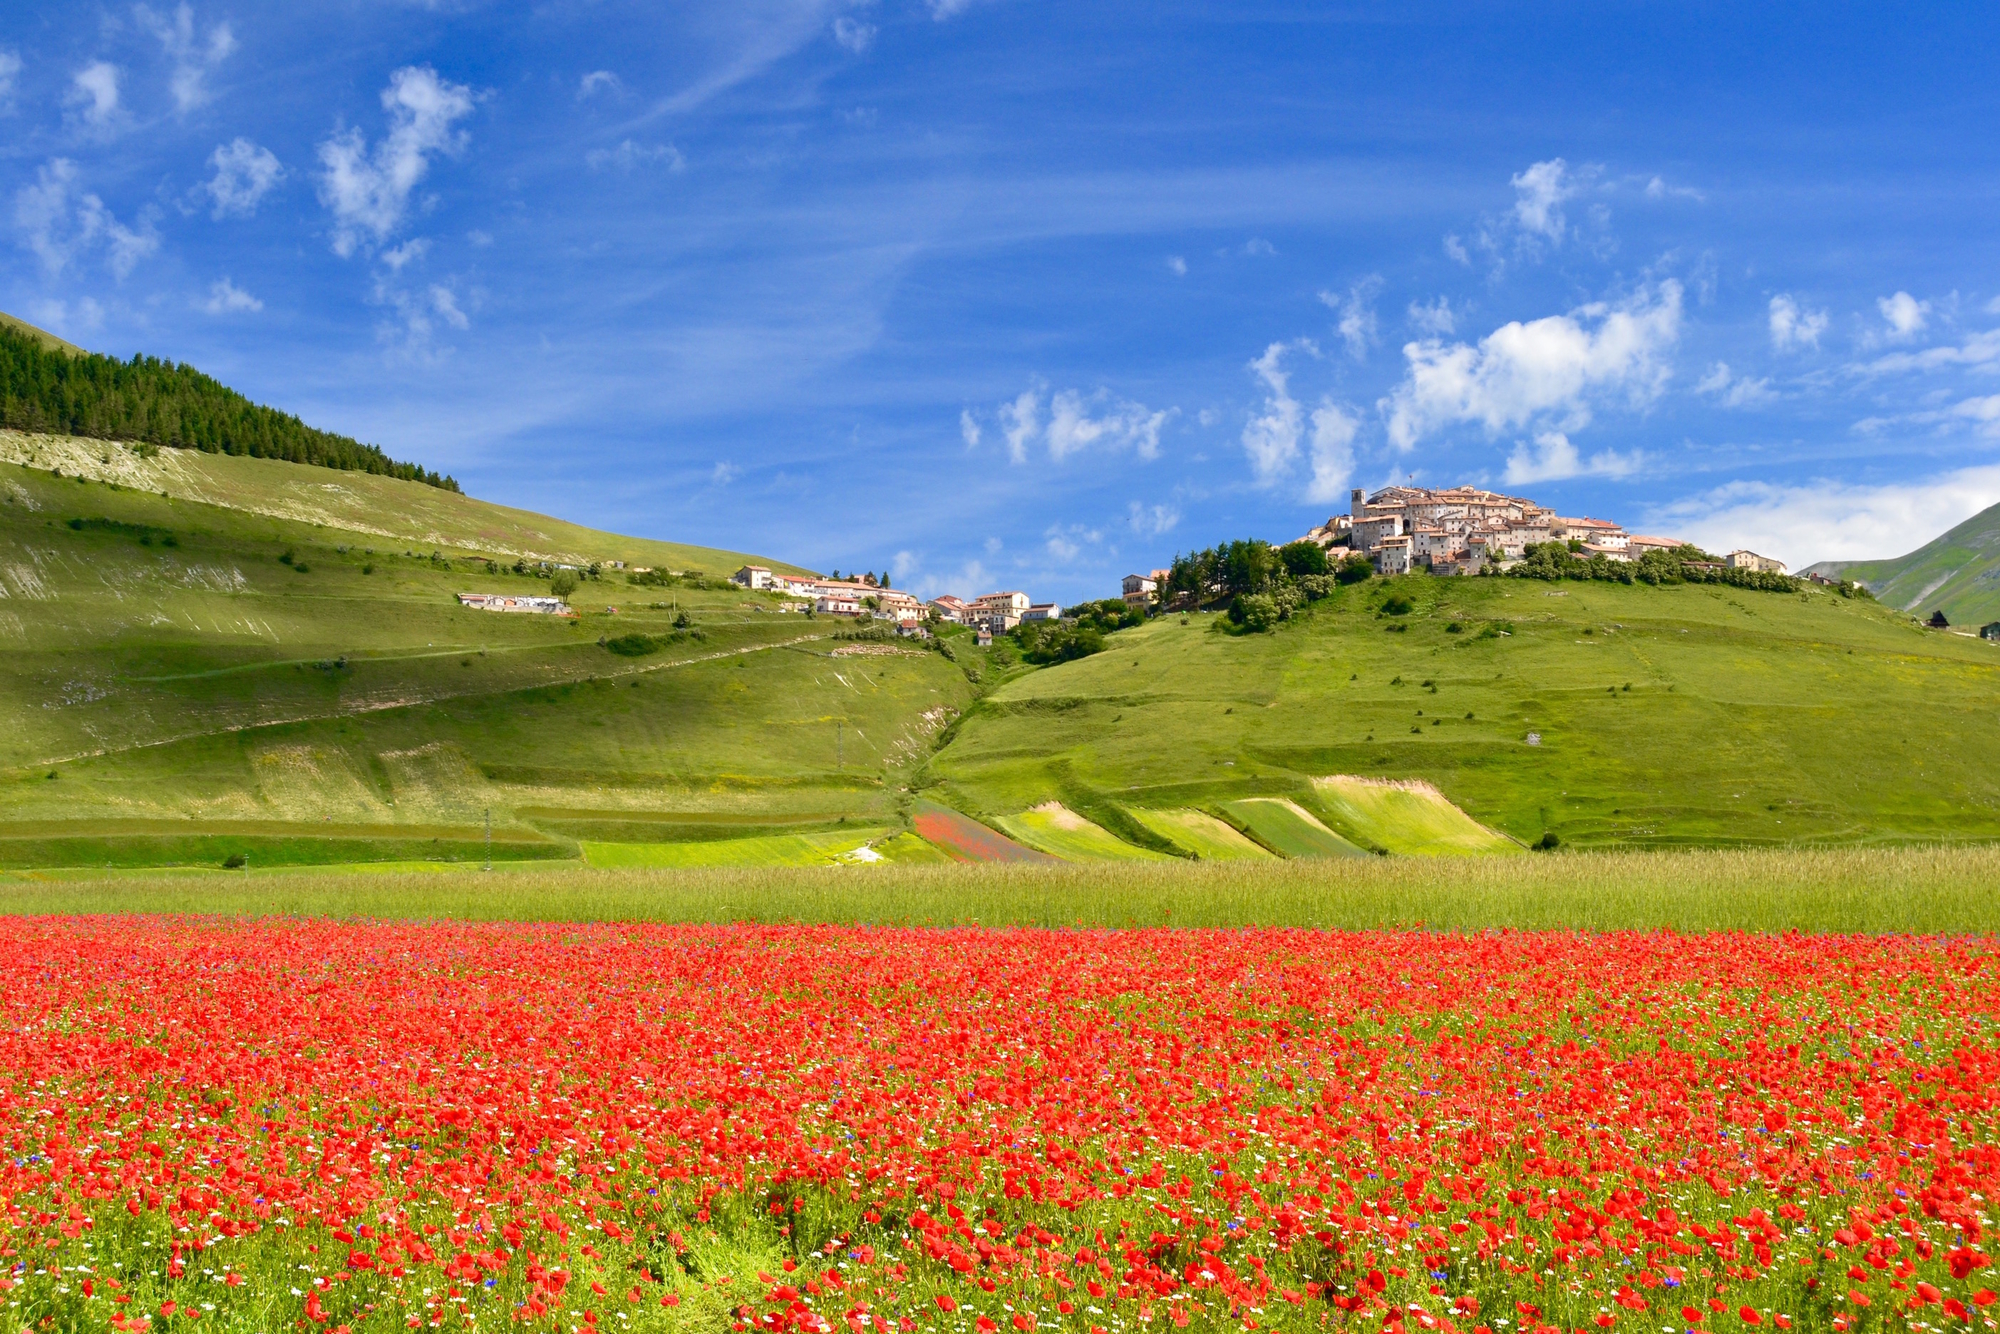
<point x="168" y="404"/>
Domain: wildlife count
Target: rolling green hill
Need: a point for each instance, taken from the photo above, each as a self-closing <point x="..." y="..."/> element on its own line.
<point x="204" y="654"/>
<point x="1958" y="574"/>
<point x="1604" y="713"/>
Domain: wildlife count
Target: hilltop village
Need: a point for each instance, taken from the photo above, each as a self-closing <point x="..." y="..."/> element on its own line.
<point x="1460" y="530"/>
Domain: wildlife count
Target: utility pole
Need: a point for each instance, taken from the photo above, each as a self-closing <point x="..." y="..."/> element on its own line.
<point x="489" y="838"/>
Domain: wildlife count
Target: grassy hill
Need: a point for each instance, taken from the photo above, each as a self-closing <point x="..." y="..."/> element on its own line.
<point x="42" y="336"/>
<point x="203" y="654"/>
<point x="1604" y="713"/>
<point x="1958" y="573"/>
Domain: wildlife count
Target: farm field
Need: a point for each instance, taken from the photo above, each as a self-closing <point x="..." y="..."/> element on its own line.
<point x="283" y="1124"/>
<point x="1200" y="834"/>
<point x="771" y="850"/>
<point x="1288" y="828"/>
<point x="1402" y="816"/>
<point x="1603" y="713"/>
<point x="1907" y="889"/>
<point x="1063" y="833"/>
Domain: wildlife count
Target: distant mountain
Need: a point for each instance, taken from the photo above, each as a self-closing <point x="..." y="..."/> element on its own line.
<point x="52" y="386"/>
<point x="1958" y="573"/>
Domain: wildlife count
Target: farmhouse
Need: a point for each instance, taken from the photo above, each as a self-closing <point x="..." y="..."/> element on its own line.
<point x="507" y="602"/>
<point x="1991" y="630"/>
<point x="755" y="577"/>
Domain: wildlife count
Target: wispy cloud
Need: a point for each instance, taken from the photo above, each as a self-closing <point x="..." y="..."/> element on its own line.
<point x="1539" y="194"/>
<point x="61" y="222"/>
<point x="244" y="174"/>
<point x="1435" y="319"/>
<point x="630" y="156"/>
<point x="10" y="73"/>
<point x="1735" y="391"/>
<point x="969" y="429"/>
<point x="1555" y="369"/>
<point x="598" y="81"/>
<point x="1334" y="429"/>
<point x="369" y="192"/>
<point x="853" y="34"/>
<point x="1979" y="350"/>
<point x="1356" y="309"/>
<point x="1271" y="436"/>
<point x="1152" y="520"/>
<point x="1793" y="326"/>
<point x="225" y="297"/>
<point x="194" y="59"/>
<point x="1076" y="422"/>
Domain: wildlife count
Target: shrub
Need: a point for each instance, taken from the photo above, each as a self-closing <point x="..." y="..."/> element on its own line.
<point x="563" y="584"/>
<point x="1399" y="604"/>
<point x="235" y="861"/>
<point x="1255" y="612"/>
<point x="1550" y="841"/>
<point x="634" y="645"/>
<point x="1356" y="569"/>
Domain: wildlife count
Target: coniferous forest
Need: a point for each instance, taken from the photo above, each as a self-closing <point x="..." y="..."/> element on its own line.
<point x="170" y="404"/>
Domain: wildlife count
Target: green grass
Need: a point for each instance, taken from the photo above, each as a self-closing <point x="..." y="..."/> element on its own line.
<point x="771" y="850"/>
<point x="1660" y="717"/>
<point x="1199" y="834"/>
<point x="161" y="660"/>
<point x="1288" y="828"/>
<point x="1406" y="818"/>
<point x="1060" y="832"/>
<point x="1928" y="890"/>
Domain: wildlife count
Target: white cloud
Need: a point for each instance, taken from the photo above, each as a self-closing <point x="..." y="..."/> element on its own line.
<point x="1077" y="421"/>
<point x="724" y="473"/>
<point x="445" y="303"/>
<point x="968" y="428"/>
<point x="1434" y="319"/>
<point x="193" y="60"/>
<point x="1121" y="424"/>
<point x="1257" y="246"/>
<point x="1020" y="421"/>
<point x="1659" y="189"/>
<point x="1334" y="429"/>
<point x="598" y="80"/>
<point x="1555" y="367"/>
<point x="1271" y="438"/>
<point x="1735" y="391"/>
<point x="1794" y="326"/>
<point x="1828" y="519"/>
<point x="1984" y="412"/>
<point x="225" y="296"/>
<point x="10" y="70"/>
<point x="244" y="174"/>
<point x="1153" y="520"/>
<point x="368" y="192"/>
<point x="1993" y="306"/>
<point x="629" y="155"/>
<point x="1455" y="251"/>
<point x="944" y="9"/>
<point x="1177" y="266"/>
<point x="407" y="253"/>
<point x="1904" y="314"/>
<point x="93" y="91"/>
<point x="1552" y="457"/>
<point x="853" y="34"/>
<point x="60" y="222"/>
<point x="1357" y="315"/>
<point x="1539" y="193"/>
<point x="1980" y="350"/>
<point x="1060" y="547"/>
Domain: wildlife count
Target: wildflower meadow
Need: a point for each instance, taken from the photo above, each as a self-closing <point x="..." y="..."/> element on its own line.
<point x="308" y="1125"/>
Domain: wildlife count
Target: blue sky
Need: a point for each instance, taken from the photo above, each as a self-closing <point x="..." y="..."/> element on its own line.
<point x="996" y="293"/>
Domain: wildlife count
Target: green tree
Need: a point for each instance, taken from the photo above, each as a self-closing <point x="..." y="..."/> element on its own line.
<point x="1303" y="557"/>
<point x="563" y="584"/>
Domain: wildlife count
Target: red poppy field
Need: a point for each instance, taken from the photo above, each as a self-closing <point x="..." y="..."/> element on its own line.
<point x="321" y="1126"/>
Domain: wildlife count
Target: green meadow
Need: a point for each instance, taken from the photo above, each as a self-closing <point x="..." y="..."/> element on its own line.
<point x="1605" y="714"/>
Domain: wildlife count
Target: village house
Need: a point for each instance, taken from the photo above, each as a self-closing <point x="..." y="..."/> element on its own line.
<point x="508" y="602"/>
<point x="1012" y="604"/>
<point x="1991" y="630"/>
<point x="754" y="577"/>
<point x="1138" y="589"/>
<point x="1750" y="560"/>
<point x="1393" y="555"/>
<point x="1043" y="611"/>
<point x="836" y="603"/>
<point x="950" y="609"/>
